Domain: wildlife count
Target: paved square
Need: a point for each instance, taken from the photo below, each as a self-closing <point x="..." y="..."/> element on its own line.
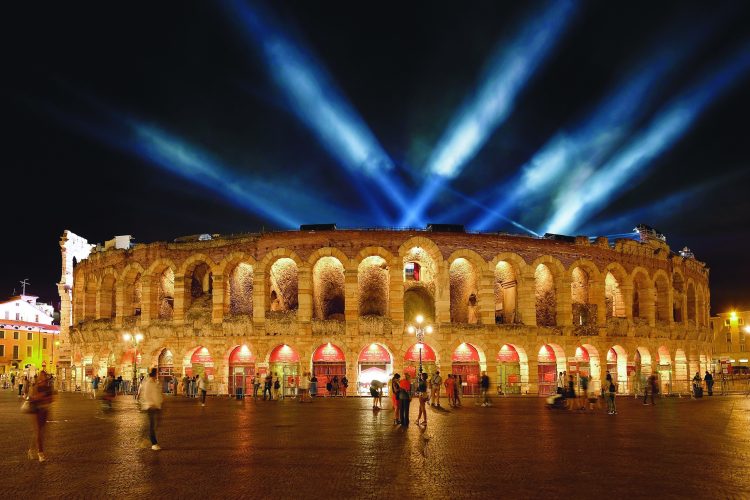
<point x="342" y="449"/>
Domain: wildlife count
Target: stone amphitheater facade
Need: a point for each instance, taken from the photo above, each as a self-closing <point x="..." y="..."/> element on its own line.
<point x="518" y="307"/>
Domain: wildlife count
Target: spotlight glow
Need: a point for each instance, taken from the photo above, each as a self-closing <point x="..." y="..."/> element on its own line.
<point x="510" y="67"/>
<point x="315" y="100"/>
<point x="619" y="173"/>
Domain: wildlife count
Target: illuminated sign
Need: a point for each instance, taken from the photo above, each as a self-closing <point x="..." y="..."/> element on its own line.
<point x="284" y="354"/>
<point x="413" y="353"/>
<point x="242" y="355"/>
<point x="465" y="353"/>
<point x="546" y="355"/>
<point x="374" y="353"/>
<point x="507" y="354"/>
<point x="328" y="353"/>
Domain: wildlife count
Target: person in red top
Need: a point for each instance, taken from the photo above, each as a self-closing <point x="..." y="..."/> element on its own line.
<point x="404" y="399"/>
<point x="394" y="396"/>
<point x="450" y="388"/>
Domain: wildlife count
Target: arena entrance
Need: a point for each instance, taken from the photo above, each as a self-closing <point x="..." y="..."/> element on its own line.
<point x="374" y="363"/>
<point x="284" y="362"/>
<point x="165" y="369"/>
<point x="412" y="356"/>
<point x="241" y="370"/>
<point x="665" y="370"/>
<point x="549" y="364"/>
<point x="508" y="370"/>
<point x="200" y="362"/>
<point x="465" y="365"/>
<point x="329" y="361"/>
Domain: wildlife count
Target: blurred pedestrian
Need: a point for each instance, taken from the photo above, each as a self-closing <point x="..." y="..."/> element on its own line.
<point x="484" y="384"/>
<point x="267" y="385"/>
<point x="697" y="384"/>
<point x="336" y="385"/>
<point x="404" y="399"/>
<point x="256" y="386"/>
<point x="584" y="381"/>
<point x="151" y="398"/>
<point x="450" y="390"/>
<point x="276" y="386"/>
<point x="313" y="386"/>
<point x="422" y="395"/>
<point x="109" y="392"/>
<point x="458" y="387"/>
<point x="709" y="379"/>
<point x="437" y="382"/>
<point x="395" y="388"/>
<point x="650" y="388"/>
<point x="571" y="392"/>
<point x="376" y="391"/>
<point x="344" y="385"/>
<point x="203" y="387"/>
<point x="40" y="398"/>
<point x="612" y="389"/>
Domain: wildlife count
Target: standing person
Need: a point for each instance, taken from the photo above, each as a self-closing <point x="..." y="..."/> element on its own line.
<point x="561" y="384"/>
<point x="422" y="395"/>
<point x="450" y="390"/>
<point x="13" y="381"/>
<point x="203" y="387"/>
<point x="344" y="385"/>
<point x="376" y="391"/>
<point x="584" y="391"/>
<point x="313" y="386"/>
<point x="276" y="386"/>
<point x="256" y="386"/>
<point x="267" y="385"/>
<point x="458" y="387"/>
<point x="20" y="387"/>
<point x="110" y="391"/>
<point x="612" y="409"/>
<point x="304" y="384"/>
<point x="571" y="395"/>
<point x="395" y="388"/>
<point x="437" y="382"/>
<point x="404" y="399"/>
<point x="697" y="384"/>
<point x="151" y="398"/>
<point x="650" y="388"/>
<point x="40" y="397"/>
<point x="709" y="383"/>
<point x="484" y="384"/>
<point x="336" y="385"/>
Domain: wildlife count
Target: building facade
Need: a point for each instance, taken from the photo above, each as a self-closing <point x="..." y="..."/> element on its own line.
<point x="339" y="302"/>
<point x="731" y="332"/>
<point x="27" y="335"/>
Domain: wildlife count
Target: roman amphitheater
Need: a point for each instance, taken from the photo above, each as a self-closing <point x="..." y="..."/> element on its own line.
<point x="340" y="302"/>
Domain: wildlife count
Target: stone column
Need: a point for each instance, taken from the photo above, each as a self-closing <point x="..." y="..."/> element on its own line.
<point x="533" y="377"/>
<point x="647" y="305"/>
<point x="119" y="304"/>
<point x="486" y="298"/>
<point x="563" y="302"/>
<point x="147" y="301"/>
<point x="396" y="292"/>
<point x="304" y="298"/>
<point x="180" y="300"/>
<point x="442" y="294"/>
<point x="670" y="306"/>
<point x="351" y="300"/>
<point x="527" y="298"/>
<point x="219" y="296"/>
<point x="626" y="290"/>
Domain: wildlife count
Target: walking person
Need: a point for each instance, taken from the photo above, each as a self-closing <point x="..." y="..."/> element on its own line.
<point x="484" y="384"/>
<point x="203" y="387"/>
<point x="612" y="389"/>
<point x="267" y="385"/>
<point x="256" y="386"/>
<point x="584" y="380"/>
<point x="40" y="398"/>
<point x="336" y="385"/>
<point x="277" y="386"/>
<point x="437" y="382"/>
<point x="458" y="387"/>
<point x="422" y="394"/>
<point x="709" y="379"/>
<point x="344" y="385"/>
<point x="313" y="387"/>
<point x="151" y="398"/>
<point x="571" y="393"/>
<point x="450" y="389"/>
<point x="304" y="385"/>
<point x="404" y="399"/>
<point x="395" y="388"/>
<point x="650" y="388"/>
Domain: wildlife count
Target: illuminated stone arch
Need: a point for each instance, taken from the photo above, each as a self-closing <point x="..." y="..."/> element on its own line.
<point x="548" y="277"/>
<point x="107" y="290"/>
<point x="615" y="279"/>
<point x="421" y="289"/>
<point x="507" y="269"/>
<point x="237" y="270"/>
<point x="373" y="281"/>
<point x="464" y="275"/>
<point x="678" y="296"/>
<point x="690" y="298"/>
<point x="132" y="289"/>
<point x="523" y="362"/>
<point x="281" y="268"/>
<point x="701" y="304"/>
<point x="643" y="294"/>
<point x="328" y="288"/>
<point x="585" y="283"/>
<point x="91" y="291"/>
<point x="560" y="359"/>
<point x="161" y="275"/>
<point x="480" y="347"/>
<point x="197" y="278"/>
<point x="621" y="366"/>
<point x="663" y="309"/>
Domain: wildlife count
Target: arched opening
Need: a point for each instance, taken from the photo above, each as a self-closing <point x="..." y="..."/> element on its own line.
<point x="373" y="279"/>
<point x="164" y="296"/>
<point x="681" y="373"/>
<point x="613" y="298"/>
<point x="584" y="310"/>
<point x="133" y="295"/>
<point x="283" y="285"/>
<point x="283" y="362"/>
<point x="617" y="366"/>
<point x="544" y="293"/>
<point x="506" y="294"/>
<point x="509" y="370"/>
<point x="663" y="310"/>
<point x="374" y="363"/>
<point x="241" y="370"/>
<point x="691" y="304"/>
<point x="199" y="362"/>
<point x="418" y="301"/>
<point x="701" y="314"/>
<point x="678" y="296"/>
<point x="198" y="286"/>
<point x="241" y="290"/>
<point x="107" y="297"/>
<point x="465" y="365"/>
<point x="89" y="311"/>
<point x="417" y="352"/>
<point x="419" y="285"/>
<point x="641" y="299"/>
<point x="328" y="289"/>
<point x="463" y="292"/>
<point x="550" y="363"/>
<point x="329" y="365"/>
<point x="665" y="370"/>
<point x="165" y="369"/>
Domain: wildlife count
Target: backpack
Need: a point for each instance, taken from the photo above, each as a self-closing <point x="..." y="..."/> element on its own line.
<point x="276" y="385"/>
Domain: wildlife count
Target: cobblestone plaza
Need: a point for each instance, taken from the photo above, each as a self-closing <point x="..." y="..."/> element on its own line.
<point x="342" y="449"/>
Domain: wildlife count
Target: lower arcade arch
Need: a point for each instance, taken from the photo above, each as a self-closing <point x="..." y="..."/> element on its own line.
<point x="241" y="365"/>
<point x="467" y="366"/>
<point x="420" y="353"/>
<point x="664" y="370"/>
<point x="619" y="369"/>
<point x="165" y="370"/>
<point x="550" y="364"/>
<point x="374" y="362"/>
<point x="512" y="370"/>
<point x="283" y="362"/>
<point x="329" y="366"/>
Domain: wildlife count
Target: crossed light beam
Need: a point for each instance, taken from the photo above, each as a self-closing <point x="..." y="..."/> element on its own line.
<point x="618" y="174"/>
<point x="315" y="100"/>
<point x="509" y="69"/>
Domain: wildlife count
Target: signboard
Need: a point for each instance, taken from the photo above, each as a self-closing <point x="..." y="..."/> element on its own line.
<point x="546" y="355"/>
<point x="412" y="354"/>
<point x="374" y="354"/>
<point x="202" y="356"/>
<point x="507" y="354"/>
<point x="284" y="354"/>
<point x="241" y="355"/>
<point x="582" y="354"/>
<point x="631" y="369"/>
<point x="465" y="353"/>
<point x="328" y="353"/>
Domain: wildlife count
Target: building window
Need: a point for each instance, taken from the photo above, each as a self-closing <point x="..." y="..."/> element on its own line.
<point x="44" y="343"/>
<point x="29" y="335"/>
<point x="2" y="351"/>
<point x="2" y="335"/>
<point x="18" y="316"/>
<point x="15" y="352"/>
<point x="28" y="351"/>
<point x="15" y="335"/>
<point x="7" y="314"/>
<point x="36" y="318"/>
<point x="726" y="322"/>
<point x="412" y="270"/>
<point x="741" y="321"/>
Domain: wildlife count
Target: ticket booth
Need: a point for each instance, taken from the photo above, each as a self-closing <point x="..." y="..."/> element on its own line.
<point x="412" y="357"/>
<point x="374" y="363"/>
<point x="465" y="364"/>
<point x="547" y="371"/>
<point x="241" y="370"/>
<point x="284" y="363"/>
<point x="508" y="370"/>
<point x="328" y="361"/>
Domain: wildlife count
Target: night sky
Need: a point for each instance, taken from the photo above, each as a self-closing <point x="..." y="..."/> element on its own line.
<point x="78" y="76"/>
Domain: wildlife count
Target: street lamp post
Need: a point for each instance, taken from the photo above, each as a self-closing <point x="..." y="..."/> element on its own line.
<point x="135" y="340"/>
<point x="420" y="331"/>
